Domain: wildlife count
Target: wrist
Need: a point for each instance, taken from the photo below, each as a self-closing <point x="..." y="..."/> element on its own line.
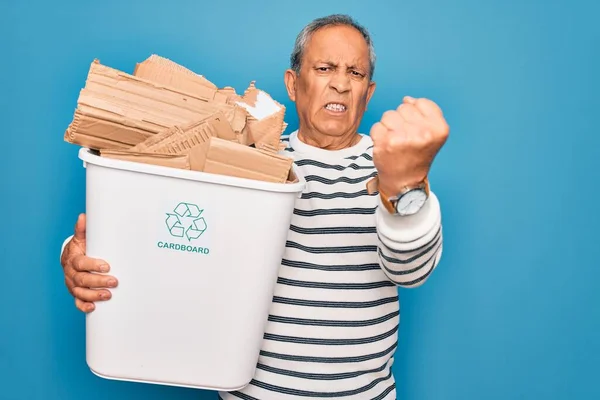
<point x="401" y="198"/>
<point x="392" y="187"/>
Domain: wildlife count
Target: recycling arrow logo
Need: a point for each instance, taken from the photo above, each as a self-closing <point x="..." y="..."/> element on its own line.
<point x="185" y="221"/>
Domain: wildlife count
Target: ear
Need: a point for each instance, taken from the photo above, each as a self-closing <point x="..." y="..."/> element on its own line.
<point x="290" y="83"/>
<point x="371" y="90"/>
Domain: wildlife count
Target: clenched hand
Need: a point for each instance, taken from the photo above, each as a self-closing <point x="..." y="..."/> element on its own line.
<point x="405" y="142"/>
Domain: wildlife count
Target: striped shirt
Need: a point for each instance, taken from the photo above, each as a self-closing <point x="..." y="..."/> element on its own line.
<point x="333" y="325"/>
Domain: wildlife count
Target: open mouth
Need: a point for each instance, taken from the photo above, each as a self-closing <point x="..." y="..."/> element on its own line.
<point x="335" y="107"/>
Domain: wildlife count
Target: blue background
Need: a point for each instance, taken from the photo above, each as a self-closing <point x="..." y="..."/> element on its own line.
<point x="512" y="312"/>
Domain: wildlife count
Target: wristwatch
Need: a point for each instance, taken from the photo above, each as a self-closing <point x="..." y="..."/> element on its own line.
<point x="408" y="202"/>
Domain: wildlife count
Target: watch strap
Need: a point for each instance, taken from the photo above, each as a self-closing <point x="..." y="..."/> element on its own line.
<point x="388" y="200"/>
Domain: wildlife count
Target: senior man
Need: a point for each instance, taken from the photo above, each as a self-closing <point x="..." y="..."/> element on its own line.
<point x="366" y="224"/>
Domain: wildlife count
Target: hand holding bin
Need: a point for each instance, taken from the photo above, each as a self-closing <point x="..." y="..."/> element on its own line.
<point x="190" y="201"/>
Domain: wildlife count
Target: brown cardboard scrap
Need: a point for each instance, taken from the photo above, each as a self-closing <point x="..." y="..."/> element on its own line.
<point x="234" y="159"/>
<point x="95" y="133"/>
<point x="224" y="131"/>
<point x="161" y="103"/>
<point x="180" y="161"/>
<point x="161" y="69"/>
<point x="168" y="134"/>
<point x="265" y="122"/>
<point x="292" y="178"/>
<point x="250" y="96"/>
<point x="93" y="142"/>
<point x="268" y="130"/>
<point x="215" y="125"/>
<point x="167" y="115"/>
<point x="114" y="96"/>
<point x="196" y="132"/>
<point x="166" y="72"/>
<point x="230" y="94"/>
<point x="196" y="149"/>
<point x="185" y="140"/>
<point x="192" y="138"/>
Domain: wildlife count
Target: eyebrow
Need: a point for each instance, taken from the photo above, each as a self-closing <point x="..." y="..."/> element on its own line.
<point x="332" y="64"/>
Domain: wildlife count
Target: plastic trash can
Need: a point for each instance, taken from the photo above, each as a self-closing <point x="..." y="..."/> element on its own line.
<point x="197" y="258"/>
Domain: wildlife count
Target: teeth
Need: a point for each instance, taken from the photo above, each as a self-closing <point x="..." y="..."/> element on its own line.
<point x="335" y="107"/>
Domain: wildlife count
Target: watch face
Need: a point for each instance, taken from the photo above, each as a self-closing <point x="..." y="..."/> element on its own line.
<point x="411" y="202"/>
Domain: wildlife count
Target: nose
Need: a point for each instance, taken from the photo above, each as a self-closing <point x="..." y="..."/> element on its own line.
<point x="340" y="82"/>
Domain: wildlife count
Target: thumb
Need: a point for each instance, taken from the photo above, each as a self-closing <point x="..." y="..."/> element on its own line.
<point x="80" y="227"/>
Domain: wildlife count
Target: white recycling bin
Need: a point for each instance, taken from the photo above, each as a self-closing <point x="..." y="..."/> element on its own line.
<point x="197" y="258"/>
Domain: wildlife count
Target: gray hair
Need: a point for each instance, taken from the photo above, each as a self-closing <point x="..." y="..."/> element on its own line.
<point x="330" y="20"/>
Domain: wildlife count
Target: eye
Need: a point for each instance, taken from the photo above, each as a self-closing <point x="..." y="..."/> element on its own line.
<point x="356" y="73"/>
<point x="323" y="69"/>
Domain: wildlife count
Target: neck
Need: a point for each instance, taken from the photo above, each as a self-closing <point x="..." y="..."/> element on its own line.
<point x="326" y="142"/>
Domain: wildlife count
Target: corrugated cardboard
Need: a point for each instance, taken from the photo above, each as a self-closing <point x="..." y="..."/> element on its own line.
<point x="96" y="133"/>
<point x="180" y="161"/>
<point x="265" y="122"/>
<point x="121" y="98"/>
<point x="168" y="134"/>
<point x="209" y="153"/>
<point x="165" y="72"/>
<point x="268" y="130"/>
<point x="185" y="139"/>
<point x="195" y="148"/>
<point x="192" y="141"/>
<point x="167" y="115"/>
<point x="228" y="158"/>
<point x="162" y="102"/>
<point x="215" y="125"/>
<point x="161" y="69"/>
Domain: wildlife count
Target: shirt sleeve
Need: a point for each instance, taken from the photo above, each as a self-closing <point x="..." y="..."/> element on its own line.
<point x="410" y="247"/>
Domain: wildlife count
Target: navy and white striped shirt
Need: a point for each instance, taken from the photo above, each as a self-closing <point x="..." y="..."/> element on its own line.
<point x="333" y="325"/>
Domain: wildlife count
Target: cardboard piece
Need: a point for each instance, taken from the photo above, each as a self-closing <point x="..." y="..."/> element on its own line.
<point x="234" y="159"/>
<point x="167" y="115"/>
<point x="117" y="97"/>
<point x="215" y="125"/>
<point x="147" y="145"/>
<point x="162" y="70"/>
<point x="180" y="161"/>
<point x="209" y="153"/>
<point x="94" y="132"/>
<point x="165" y="72"/>
<point x="265" y="122"/>
<point x="190" y="142"/>
<point x="162" y="102"/>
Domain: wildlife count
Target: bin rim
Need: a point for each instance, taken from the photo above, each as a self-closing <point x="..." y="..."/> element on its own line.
<point x="86" y="155"/>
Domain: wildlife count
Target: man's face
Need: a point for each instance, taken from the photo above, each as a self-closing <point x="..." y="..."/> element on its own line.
<point x="333" y="88"/>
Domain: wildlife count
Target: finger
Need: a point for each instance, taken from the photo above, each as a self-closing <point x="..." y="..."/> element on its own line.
<point x="91" y="295"/>
<point x="80" y="227"/>
<point x="427" y="107"/>
<point x="410" y="113"/>
<point x="392" y="120"/>
<point x="84" y="306"/>
<point x="409" y="100"/>
<point x="83" y="263"/>
<point x="70" y="284"/>
<point x="90" y="280"/>
<point x="378" y="131"/>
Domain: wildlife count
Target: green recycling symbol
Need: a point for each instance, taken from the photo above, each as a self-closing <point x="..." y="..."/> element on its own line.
<point x="186" y="221"/>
